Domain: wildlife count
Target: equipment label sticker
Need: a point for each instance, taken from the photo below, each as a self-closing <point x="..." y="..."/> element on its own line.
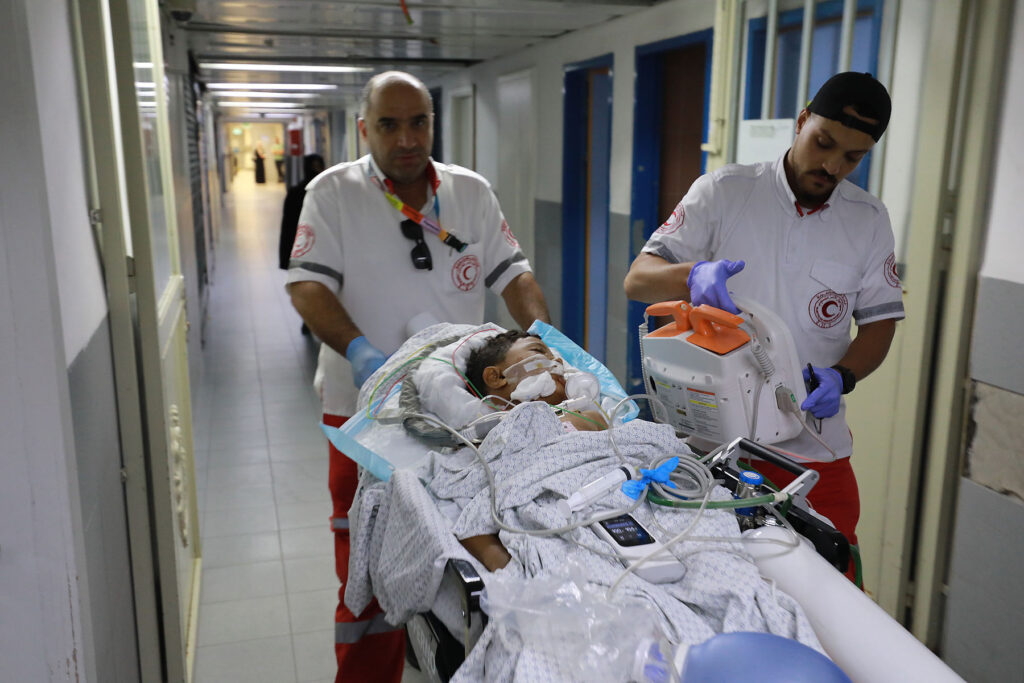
<point x="703" y="409"/>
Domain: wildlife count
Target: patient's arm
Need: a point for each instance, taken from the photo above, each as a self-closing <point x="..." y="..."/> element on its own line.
<point x="488" y="549"/>
<point x="591" y="420"/>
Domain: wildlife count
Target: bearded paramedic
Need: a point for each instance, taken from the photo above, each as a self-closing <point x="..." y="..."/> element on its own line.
<point x="797" y="237"/>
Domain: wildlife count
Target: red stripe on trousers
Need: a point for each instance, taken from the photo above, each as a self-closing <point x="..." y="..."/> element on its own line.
<point x="835" y="496"/>
<point x="379" y="657"/>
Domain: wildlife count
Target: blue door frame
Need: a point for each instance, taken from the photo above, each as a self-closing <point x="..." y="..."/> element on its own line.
<point x="647" y="166"/>
<point x="577" y="161"/>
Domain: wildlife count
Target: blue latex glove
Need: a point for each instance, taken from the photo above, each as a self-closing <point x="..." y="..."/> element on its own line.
<point x="823" y="401"/>
<point x="365" y="359"/>
<point x="634" y="487"/>
<point x="707" y="283"/>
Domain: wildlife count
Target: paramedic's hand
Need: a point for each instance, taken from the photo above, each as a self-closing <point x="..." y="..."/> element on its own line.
<point x="365" y="359"/>
<point x="707" y="283"/>
<point x="823" y="401"/>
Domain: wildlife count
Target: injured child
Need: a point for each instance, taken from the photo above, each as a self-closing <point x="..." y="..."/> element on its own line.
<point x="516" y="367"/>
<point x="510" y="516"/>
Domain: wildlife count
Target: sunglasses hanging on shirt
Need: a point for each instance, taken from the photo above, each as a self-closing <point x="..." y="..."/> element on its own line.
<point x="420" y="253"/>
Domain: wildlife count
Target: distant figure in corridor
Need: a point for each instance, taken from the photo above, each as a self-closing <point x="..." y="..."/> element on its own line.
<point x="258" y="155"/>
<point x="277" y="151"/>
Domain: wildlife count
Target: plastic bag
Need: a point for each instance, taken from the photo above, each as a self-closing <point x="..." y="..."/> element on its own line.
<point x="574" y="623"/>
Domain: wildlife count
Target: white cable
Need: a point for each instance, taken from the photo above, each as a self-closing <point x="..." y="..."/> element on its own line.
<point x="757" y="406"/>
<point x="494" y="501"/>
<point x="819" y="439"/>
<point x="615" y="411"/>
<point x="665" y="546"/>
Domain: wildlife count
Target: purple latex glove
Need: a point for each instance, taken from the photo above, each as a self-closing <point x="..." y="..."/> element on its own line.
<point x="707" y="283"/>
<point x="365" y="359"/>
<point x="824" y="400"/>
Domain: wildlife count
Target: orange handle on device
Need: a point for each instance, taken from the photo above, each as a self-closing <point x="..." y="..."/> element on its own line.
<point x="679" y="310"/>
<point x="721" y="339"/>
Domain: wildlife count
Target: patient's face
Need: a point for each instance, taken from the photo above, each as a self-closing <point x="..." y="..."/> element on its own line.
<point x="524" y="348"/>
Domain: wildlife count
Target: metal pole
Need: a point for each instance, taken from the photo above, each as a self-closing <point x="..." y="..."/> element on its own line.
<point x="806" y="50"/>
<point x="768" y="93"/>
<point x="846" y="35"/>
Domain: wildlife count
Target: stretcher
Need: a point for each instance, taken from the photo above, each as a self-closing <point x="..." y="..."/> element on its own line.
<point x="444" y="624"/>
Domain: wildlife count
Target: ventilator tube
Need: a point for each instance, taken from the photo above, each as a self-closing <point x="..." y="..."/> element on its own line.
<point x="594" y="490"/>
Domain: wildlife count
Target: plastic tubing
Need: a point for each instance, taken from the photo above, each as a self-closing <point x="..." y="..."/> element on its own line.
<point x="694" y="476"/>
<point x="716" y="504"/>
<point x="494" y="502"/>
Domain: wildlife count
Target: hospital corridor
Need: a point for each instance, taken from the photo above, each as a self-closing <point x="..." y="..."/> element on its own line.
<point x="269" y="588"/>
<point x="511" y="341"/>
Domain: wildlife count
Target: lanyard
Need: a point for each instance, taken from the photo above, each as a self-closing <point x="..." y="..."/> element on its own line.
<point x="428" y="224"/>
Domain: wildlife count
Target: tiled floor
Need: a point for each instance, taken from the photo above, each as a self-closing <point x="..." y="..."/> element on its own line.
<point x="268" y="596"/>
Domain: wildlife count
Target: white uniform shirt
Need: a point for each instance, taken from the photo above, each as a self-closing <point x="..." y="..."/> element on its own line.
<point x="817" y="270"/>
<point x="349" y="240"/>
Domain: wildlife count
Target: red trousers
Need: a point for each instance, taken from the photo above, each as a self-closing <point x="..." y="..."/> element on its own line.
<point x="835" y="495"/>
<point x="368" y="648"/>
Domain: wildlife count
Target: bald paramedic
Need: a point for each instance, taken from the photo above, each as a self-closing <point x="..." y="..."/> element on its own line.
<point x="385" y="246"/>
<point x="797" y="237"/>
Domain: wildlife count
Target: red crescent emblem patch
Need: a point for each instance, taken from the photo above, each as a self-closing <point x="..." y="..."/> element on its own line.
<point x="827" y="308"/>
<point x="891" y="276"/>
<point x="466" y="272"/>
<point x="304" y="239"/>
<point x="674" y="222"/>
<point x="507" y="232"/>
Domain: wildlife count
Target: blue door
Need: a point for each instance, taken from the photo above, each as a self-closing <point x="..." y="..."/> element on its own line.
<point x="585" y="202"/>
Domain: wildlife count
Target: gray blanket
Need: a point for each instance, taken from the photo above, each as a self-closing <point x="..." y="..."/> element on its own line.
<point x="403" y="540"/>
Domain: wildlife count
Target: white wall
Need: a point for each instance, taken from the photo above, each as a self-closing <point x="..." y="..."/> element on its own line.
<point x="82" y="295"/>
<point x="621" y="36"/>
<point x="42" y="569"/>
<point x="1004" y="250"/>
<point x="900" y="139"/>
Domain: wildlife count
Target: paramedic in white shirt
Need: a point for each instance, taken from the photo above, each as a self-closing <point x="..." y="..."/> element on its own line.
<point x="796" y="237"/>
<point x="370" y="267"/>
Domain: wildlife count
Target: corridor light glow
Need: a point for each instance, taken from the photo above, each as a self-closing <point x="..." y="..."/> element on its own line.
<point x="259" y="116"/>
<point x="272" y="86"/>
<point x="260" y="105"/>
<point x="313" y="68"/>
<point x="255" y="93"/>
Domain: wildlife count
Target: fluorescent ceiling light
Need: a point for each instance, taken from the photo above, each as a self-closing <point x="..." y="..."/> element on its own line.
<point x="259" y="116"/>
<point x="255" y="93"/>
<point x="145" y="85"/>
<point x="317" y="68"/>
<point x="143" y="65"/>
<point x="272" y="86"/>
<point x="261" y="105"/>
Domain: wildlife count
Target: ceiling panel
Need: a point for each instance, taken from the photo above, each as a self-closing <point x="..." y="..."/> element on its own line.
<point x="375" y="34"/>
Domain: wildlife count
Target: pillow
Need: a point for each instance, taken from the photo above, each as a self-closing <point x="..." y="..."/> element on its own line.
<point x="435" y="386"/>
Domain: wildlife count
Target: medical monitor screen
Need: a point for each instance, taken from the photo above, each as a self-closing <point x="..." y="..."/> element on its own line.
<point x="627" y="531"/>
